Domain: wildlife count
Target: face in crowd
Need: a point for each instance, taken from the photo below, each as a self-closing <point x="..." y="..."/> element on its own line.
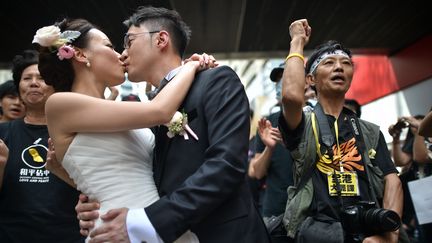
<point x="33" y="89"/>
<point x="330" y="69"/>
<point x="11" y="104"/>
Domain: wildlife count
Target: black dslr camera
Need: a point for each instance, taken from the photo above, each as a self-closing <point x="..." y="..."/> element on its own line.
<point x="363" y="219"/>
<point x="401" y="124"/>
<point x="397" y="128"/>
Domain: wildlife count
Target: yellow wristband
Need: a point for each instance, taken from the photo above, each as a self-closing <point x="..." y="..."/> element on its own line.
<point x="295" y="55"/>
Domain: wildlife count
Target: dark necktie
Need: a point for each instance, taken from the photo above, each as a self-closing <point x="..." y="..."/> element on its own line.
<point x="153" y="93"/>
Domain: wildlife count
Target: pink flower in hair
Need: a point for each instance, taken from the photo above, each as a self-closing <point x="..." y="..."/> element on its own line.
<point x="65" y="52"/>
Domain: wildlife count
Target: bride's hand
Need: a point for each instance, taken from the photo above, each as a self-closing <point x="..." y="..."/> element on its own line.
<point x="205" y="60"/>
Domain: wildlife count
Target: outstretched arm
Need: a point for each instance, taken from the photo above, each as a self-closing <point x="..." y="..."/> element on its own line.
<point x="69" y="113"/>
<point x="420" y="151"/>
<point x="73" y="112"/>
<point x="425" y="128"/>
<point x="294" y="74"/>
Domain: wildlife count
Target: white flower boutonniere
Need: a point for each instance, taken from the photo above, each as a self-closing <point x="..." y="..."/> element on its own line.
<point x="179" y="126"/>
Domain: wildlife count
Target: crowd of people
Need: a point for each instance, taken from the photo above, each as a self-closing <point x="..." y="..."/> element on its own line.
<point x="76" y="166"/>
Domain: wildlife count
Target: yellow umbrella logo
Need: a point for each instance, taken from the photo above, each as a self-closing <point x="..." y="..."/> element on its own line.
<point x="34" y="156"/>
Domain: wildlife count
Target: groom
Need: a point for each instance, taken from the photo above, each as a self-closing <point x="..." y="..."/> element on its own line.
<point x="201" y="181"/>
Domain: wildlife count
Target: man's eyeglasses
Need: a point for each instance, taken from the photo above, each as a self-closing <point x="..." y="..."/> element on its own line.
<point x="127" y="40"/>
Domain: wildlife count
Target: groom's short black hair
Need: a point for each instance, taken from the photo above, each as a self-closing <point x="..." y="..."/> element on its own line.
<point x="162" y="18"/>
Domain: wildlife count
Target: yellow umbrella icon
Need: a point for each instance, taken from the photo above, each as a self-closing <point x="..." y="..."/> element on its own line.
<point x="35" y="154"/>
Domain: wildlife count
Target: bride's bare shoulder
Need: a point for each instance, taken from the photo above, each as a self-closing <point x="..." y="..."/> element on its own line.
<point x="64" y="100"/>
<point x="59" y="96"/>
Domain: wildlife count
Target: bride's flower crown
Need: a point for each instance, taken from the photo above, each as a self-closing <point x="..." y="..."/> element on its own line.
<point x="57" y="41"/>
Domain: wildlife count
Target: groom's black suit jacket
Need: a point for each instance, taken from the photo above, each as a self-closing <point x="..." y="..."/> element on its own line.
<point x="202" y="183"/>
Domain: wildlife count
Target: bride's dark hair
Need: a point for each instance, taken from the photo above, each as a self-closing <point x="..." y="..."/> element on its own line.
<point x="60" y="73"/>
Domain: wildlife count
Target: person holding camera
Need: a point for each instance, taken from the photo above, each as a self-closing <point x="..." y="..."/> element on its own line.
<point x="346" y="185"/>
<point x="414" y="147"/>
<point x="413" y="156"/>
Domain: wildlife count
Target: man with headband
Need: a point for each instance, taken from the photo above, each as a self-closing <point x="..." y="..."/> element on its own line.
<point x="346" y="185"/>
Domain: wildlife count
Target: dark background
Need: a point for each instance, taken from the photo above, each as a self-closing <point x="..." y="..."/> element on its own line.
<point x="235" y="28"/>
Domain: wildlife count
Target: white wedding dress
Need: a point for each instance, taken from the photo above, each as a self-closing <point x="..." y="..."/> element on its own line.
<point x="115" y="169"/>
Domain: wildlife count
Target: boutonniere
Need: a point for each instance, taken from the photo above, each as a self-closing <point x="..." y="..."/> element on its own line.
<point x="179" y="126"/>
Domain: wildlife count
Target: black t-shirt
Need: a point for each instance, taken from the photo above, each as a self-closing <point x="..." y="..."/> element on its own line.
<point x="279" y="175"/>
<point x="35" y="205"/>
<point x="352" y="161"/>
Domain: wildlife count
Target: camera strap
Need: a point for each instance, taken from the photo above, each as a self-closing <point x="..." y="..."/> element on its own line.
<point x="324" y="128"/>
<point x="328" y="139"/>
<point x="361" y="145"/>
<point x="355" y="129"/>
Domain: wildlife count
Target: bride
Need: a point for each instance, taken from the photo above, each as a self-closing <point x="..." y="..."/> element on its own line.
<point x="105" y="147"/>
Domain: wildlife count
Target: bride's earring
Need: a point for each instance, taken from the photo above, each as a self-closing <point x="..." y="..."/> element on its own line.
<point x="88" y="64"/>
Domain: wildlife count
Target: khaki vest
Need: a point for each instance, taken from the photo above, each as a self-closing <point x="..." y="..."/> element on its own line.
<point x="304" y="156"/>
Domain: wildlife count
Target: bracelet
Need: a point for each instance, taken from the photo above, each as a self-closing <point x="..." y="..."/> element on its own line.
<point x="295" y="55"/>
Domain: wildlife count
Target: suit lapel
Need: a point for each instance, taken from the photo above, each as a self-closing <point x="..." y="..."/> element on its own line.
<point x="160" y="141"/>
<point x="163" y="144"/>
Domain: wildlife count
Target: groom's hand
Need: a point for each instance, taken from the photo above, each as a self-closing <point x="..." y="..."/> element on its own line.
<point x="113" y="229"/>
<point x="87" y="213"/>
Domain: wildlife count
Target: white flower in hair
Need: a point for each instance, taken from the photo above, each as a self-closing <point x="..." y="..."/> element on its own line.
<point x="56" y="41"/>
<point x="47" y="36"/>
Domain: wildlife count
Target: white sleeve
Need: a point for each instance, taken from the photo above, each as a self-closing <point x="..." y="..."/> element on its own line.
<point x="139" y="227"/>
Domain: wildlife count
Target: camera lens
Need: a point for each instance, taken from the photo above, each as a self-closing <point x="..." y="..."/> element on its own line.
<point x="381" y="220"/>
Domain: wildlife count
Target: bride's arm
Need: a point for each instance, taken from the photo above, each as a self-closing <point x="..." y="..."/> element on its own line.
<point x="72" y="112"/>
<point x="169" y="98"/>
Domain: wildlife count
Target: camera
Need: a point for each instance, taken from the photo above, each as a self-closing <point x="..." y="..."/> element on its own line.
<point x="396" y="128"/>
<point x="401" y="124"/>
<point x="364" y="219"/>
